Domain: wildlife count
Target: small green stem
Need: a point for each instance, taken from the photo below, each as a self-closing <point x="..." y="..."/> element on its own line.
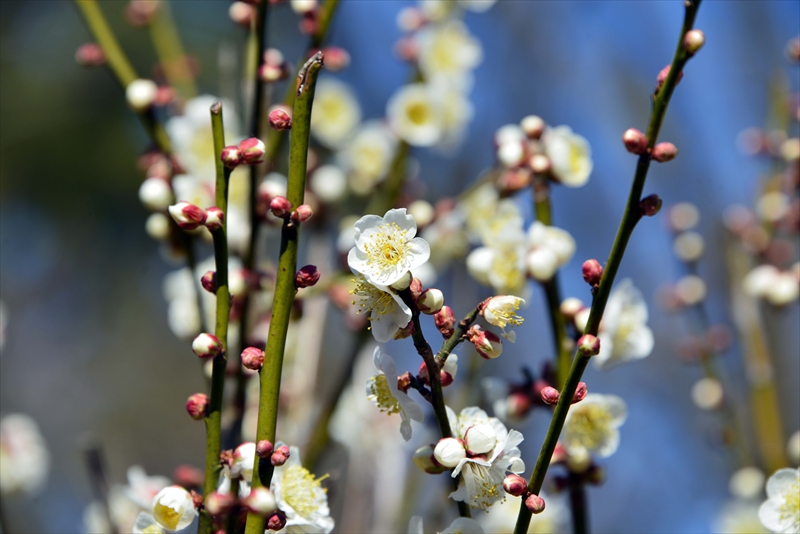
<point x="285" y="288"/>
<point x="457" y="337"/>
<point x="630" y="217"/>
<point x="213" y="417"/>
<point x="170" y="52"/>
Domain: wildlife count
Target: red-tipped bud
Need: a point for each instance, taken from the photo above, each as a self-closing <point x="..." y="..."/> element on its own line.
<point x="592" y="272"/>
<point x="90" y="55"/>
<point x="663" y="152"/>
<point x="302" y="213"/>
<point x="260" y="501"/>
<point x="430" y="301"/>
<point x="188" y="216"/>
<point x="416" y="288"/>
<point x="422" y="374"/>
<point x="407" y="331"/>
<point x="197" y="499"/>
<point x="650" y="205"/>
<point x="196" y="406"/>
<point x="279" y="119"/>
<point x="209" y="282"/>
<point x="307" y="276"/>
<point x="276" y="521"/>
<point x="264" y="448"/>
<point x="635" y="141"/>
<point x="580" y="392"/>
<point x="445" y="378"/>
<point x="404" y="382"/>
<point x="533" y="126"/>
<point x="280" y="206"/>
<point x="280" y="455"/>
<point x="515" y="485"/>
<point x="207" y="346"/>
<point x="215" y="219"/>
<point x="188" y="476"/>
<point x="445" y="321"/>
<point x="218" y="504"/>
<point x="252" y="150"/>
<point x="487" y="344"/>
<point x="550" y="395"/>
<point x="231" y="156"/>
<point x="336" y="58"/>
<point x="662" y="77"/>
<point x="589" y="345"/>
<point x="694" y="41"/>
<point x="535" y="504"/>
<point x="253" y="358"/>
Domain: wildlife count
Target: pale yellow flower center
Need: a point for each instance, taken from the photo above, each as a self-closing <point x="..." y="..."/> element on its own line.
<point x="371" y="299"/>
<point x="332" y="108"/>
<point x="487" y="489"/>
<point x="152" y="529"/>
<point x="381" y="395"/>
<point x="299" y="488"/>
<point x="505" y="268"/>
<point x="387" y="247"/>
<point x="506" y="314"/>
<point x="589" y="426"/>
<point x="419" y="113"/>
<point x="790" y="509"/>
<point x="166" y="516"/>
<point x="576" y="158"/>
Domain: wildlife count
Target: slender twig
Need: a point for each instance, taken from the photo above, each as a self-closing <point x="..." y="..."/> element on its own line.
<point x="577" y="503"/>
<point x="96" y="468"/>
<point x="232" y="525"/>
<point x="213" y="417"/>
<point x="285" y="288"/>
<point x="630" y="217"/>
<point x="170" y="52"/>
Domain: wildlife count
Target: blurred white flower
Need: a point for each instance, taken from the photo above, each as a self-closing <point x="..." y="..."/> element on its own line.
<point x="448" y="51"/>
<point x="382" y="390"/>
<point x="301" y="497"/>
<point x="768" y="282"/>
<point x="747" y="482"/>
<point x="336" y="113"/>
<point x="570" y="155"/>
<point x="146" y="524"/>
<point x="173" y="508"/>
<point x="477" y="6"/>
<point x="707" y="393"/>
<point x="501" y="264"/>
<point x="436" y="10"/>
<point x="329" y="183"/>
<point x="781" y="511"/>
<point x="460" y="525"/>
<point x="592" y="425"/>
<point x="457" y="112"/>
<point x="739" y="517"/>
<point x="24" y="458"/>
<point x="624" y="334"/>
<point x="368" y="155"/>
<point x="502" y="517"/>
<point x="125" y="503"/>
<point x="550" y="249"/>
<point x="415" y="115"/>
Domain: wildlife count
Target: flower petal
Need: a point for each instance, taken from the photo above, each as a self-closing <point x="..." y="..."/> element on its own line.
<point x="403" y="220"/>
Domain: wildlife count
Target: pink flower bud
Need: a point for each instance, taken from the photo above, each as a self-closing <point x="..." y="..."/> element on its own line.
<point x="422" y="374"/>
<point x="662" y="77"/>
<point x="188" y="216"/>
<point x="252" y="150"/>
<point x="515" y="485"/>
<point x="309" y="23"/>
<point x="260" y="501"/>
<point x="580" y="392"/>
<point x="635" y="141"/>
<point x="196" y="406"/>
<point x="404" y="382"/>
<point x="336" y="58"/>
<point x="253" y="358"/>
<point x="165" y="95"/>
<point x="276" y="521"/>
<point x="589" y="345"/>
<point x="280" y="206"/>
<point x="533" y="126"/>
<point x="307" y="276"/>
<point x="302" y="213"/>
<point x="592" y="272"/>
<point x="535" y="504"/>
<point x="264" y="448"/>
<point x="430" y="301"/>
<point x="231" y="156"/>
<point x="218" y="504"/>
<point x="209" y="282"/>
<point x="445" y="321"/>
<point x="280" y="120"/>
<point x="663" y="152"/>
<point x="650" y="205"/>
<point x="280" y="456"/>
<point x="407" y="331"/>
<point x="241" y="13"/>
<point x="207" y="346"/>
<point x="487" y="344"/>
<point x="550" y="395"/>
<point x="90" y="55"/>
<point x="215" y="219"/>
<point x="273" y="72"/>
<point x="407" y="49"/>
<point x="445" y="378"/>
<point x="188" y="476"/>
<point x="694" y="41"/>
<point x="416" y="288"/>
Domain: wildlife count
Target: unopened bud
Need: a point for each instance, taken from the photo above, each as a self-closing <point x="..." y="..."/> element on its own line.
<point x="535" y="504"/>
<point x="196" y="406"/>
<point x="155" y="194"/>
<point x="273" y="72"/>
<point x="253" y="358"/>
<point x="570" y="307"/>
<point x="416" y="288"/>
<point x="533" y="126"/>
<point x="280" y="206"/>
<point x="650" y="205"/>
<point x="405" y="332"/>
<point x="188" y="476"/>
<point x="336" y="58"/>
<point x="403" y="283"/>
<point x="425" y="460"/>
<point x="592" y="272"/>
<point x="449" y="451"/>
<point x="515" y="485"/>
<point x="664" y="152"/>
<point x="559" y="454"/>
<point x="430" y="301"/>
<point x="480" y="439"/>
<point x="276" y="521"/>
<point x="280" y="120"/>
<point x="445" y="378"/>
<point x="209" y="282"/>
<point x="445" y="321"/>
<point x="635" y="141"/>
<point x="260" y="501"/>
<point x="188" y="216"/>
<point x="215" y="219"/>
<point x="264" y="448"/>
<point x="207" y="346"/>
<point x="307" y="276"/>
<point x="694" y="41"/>
<point x="580" y="392"/>
<point x="589" y="345"/>
<point x="241" y="13"/>
<point x="231" y="156"/>
<point x="141" y="94"/>
<point x="90" y="55"/>
<point x="550" y="395"/>
<point x="252" y="150"/>
<point x="540" y="164"/>
<point x="218" y="504"/>
<point x="487" y="344"/>
<point x="662" y="77"/>
<point x="280" y="456"/>
<point x="302" y="213"/>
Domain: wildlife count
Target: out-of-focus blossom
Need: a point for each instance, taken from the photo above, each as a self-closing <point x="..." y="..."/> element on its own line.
<point x="329" y="183"/>
<point x="747" y="482"/>
<point x="457" y="112"/>
<point x="773" y="206"/>
<point x="683" y="216"/>
<point x="448" y="51"/>
<point x="592" y="426"/>
<point x="777" y="287"/>
<point x="382" y="390"/>
<point x="739" y="517"/>
<point x="781" y="511"/>
<point x="415" y="115"/>
<point x="707" y="393"/>
<point x="793" y="448"/>
<point x="301" y="497"/>
<point x="336" y="113"/>
<point x="624" y="334"/>
<point x="502" y="517"/>
<point x="550" y="249"/>
<point x="460" y="525"/>
<point x="570" y="155"/>
<point x="125" y="503"/>
<point x="688" y="246"/>
<point x="368" y="155"/>
<point x="24" y="458"/>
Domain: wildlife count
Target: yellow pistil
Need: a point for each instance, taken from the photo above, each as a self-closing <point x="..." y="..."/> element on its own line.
<point x="387" y="247"/>
<point x="152" y="529"/>
<point x="506" y="314"/>
<point x="419" y="113"/>
<point x="790" y="508"/>
<point x="589" y="426"/>
<point x="381" y="395"/>
<point x="167" y="516"/>
<point x="300" y="489"/>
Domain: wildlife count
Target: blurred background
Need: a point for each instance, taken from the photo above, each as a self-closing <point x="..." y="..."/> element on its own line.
<point x="87" y="345"/>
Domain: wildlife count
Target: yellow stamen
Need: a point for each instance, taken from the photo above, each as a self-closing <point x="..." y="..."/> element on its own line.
<point x="300" y="489"/>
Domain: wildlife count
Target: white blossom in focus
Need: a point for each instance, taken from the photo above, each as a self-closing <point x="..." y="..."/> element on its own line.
<point x="173" y="508"/>
<point x="415" y="115"/>
<point x="335" y="114"/>
<point x="301" y="497"/>
<point x="781" y="511"/>
<point x="387" y="311"/>
<point x="448" y="51"/>
<point x="24" y="458"/>
<point x="382" y="390"/>
<point x="592" y="426"/>
<point x="624" y="334"/>
<point x="570" y="156"/>
<point x="501" y="311"/>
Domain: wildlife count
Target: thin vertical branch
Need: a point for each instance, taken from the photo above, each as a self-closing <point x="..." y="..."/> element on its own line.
<point x="96" y="468"/>
<point x="170" y="52"/>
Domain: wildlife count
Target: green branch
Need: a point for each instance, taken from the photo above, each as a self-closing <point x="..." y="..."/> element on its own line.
<point x="170" y="52"/>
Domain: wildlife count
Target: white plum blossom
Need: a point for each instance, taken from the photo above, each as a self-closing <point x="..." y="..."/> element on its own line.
<point x="24" y="458"/>
<point x="336" y="113"/>
<point x="570" y="155"/>
<point x="301" y="497"/>
<point x="382" y="390"/>
<point x="624" y="334"/>
<point x="415" y="115"/>
<point x="482" y="475"/>
<point x="592" y="426"/>
<point x="550" y="249"/>
<point x="768" y="282"/>
<point x="173" y="508"/>
<point x="460" y="525"/>
<point x="501" y="264"/>
<point x="739" y="516"/>
<point x="125" y="503"/>
<point x="448" y="51"/>
<point x="387" y="311"/>
<point x="502" y="311"/>
<point x="368" y="155"/>
<point x="146" y="524"/>
<point x="457" y="111"/>
<point x="386" y="248"/>
<point x="781" y="511"/>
